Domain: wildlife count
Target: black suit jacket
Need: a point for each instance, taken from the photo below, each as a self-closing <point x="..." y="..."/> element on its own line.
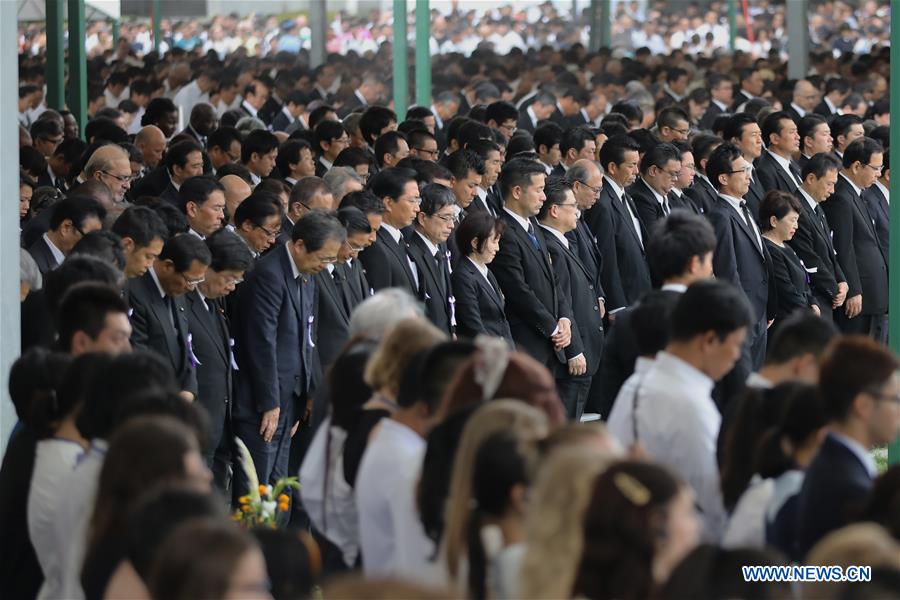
<point x="271" y="108"/>
<point x="334" y="316"/>
<point x="793" y="291"/>
<point x="585" y="246"/>
<point x="575" y="282"/>
<point x="792" y="112"/>
<point x="280" y="122"/>
<point x="151" y="184"/>
<point x="274" y="339"/>
<point x="824" y="110"/>
<point x="357" y="287"/>
<point x="434" y="282"/>
<point x="683" y="202"/>
<point x="44" y="180"/>
<point x="349" y="105"/>
<point x="625" y="274"/>
<point x="152" y="328"/>
<point x="755" y="195"/>
<point x="703" y="194"/>
<point x="880" y="212"/>
<point x="42" y="256"/>
<point x="210" y="339"/>
<point x="576" y="120"/>
<point x="773" y="177"/>
<point x="861" y="257"/>
<point x="709" y="117"/>
<point x="739" y="98"/>
<point x="387" y="264"/>
<point x="738" y="257"/>
<point x="479" y="303"/>
<point x="835" y="490"/>
<point x="812" y="243"/>
<point x="524" y="122"/>
<point x="534" y="303"/>
<point x="648" y="207"/>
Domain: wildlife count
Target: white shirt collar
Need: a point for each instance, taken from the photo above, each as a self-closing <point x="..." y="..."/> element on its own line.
<point x="255" y="178"/>
<point x="177" y="186"/>
<point x="361" y="97"/>
<point x="734" y="202"/>
<point x="58" y="255"/>
<point x="799" y="110"/>
<point x="757" y="381"/>
<point x="294" y="270"/>
<point x="155" y="278"/>
<point x="481" y="192"/>
<point x="326" y="163"/>
<point x="392" y="231"/>
<point x="858" y="450"/>
<point x="288" y="114"/>
<point x="884" y="190"/>
<point x="481" y="268"/>
<point x="724" y="107"/>
<point x="249" y="108"/>
<point x="558" y="235"/>
<point x="617" y="190"/>
<point x="522" y="221"/>
<point x="678" y="97"/>
<point x="200" y="294"/>
<point x="330" y="268"/>
<point x="437" y="120"/>
<point x="686" y="371"/>
<point x="809" y="199"/>
<point x="194" y="233"/>
<point x="855" y="187"/>
<point x="52" y="175"/>
<point x="659" y="197"/>
<point x="674" y="287"/>
<point x="431" y="247"/>
<point x="531" y="115"/>
<point x="291" y="181"/>
<point x="784" y="163"/>
<point x="831" y="105"/>
<point x="677" y="192"/>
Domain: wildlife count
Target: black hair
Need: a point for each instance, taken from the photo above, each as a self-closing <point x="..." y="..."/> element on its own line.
<point x="74" y="270"/>
<point x="354" y="220"/>
<point x="45" y="129"/>
<point x="500" y="112"/>
<point x="174" y="220"/>
<point x="155" y="110"/>
<point x="222" y="138"/>
<point x="483" y="147"/>
<point x="548" y="135"/>
<point x="734" y="127"/>
<point x="574" y="139"/>
<point x="435" y="197"/>
<point x="35" y="384"/>
<point x="650" y="322"/>
<point x="183" y="249"/>
<point x="807" y="126"/>
<point x="555" y="188"/>
<point x="256" y="208"/>
<point x="712" y="572"/>
<point x="800" y="415"/>
<point x="518" y="173"/>
<point x="471" y="131"/>
<point x="841" y="124"/>
<point x="630" y="110"/>
<point x="178" y="153"/>
<point x="317" y="115"/>
<point x="236" y="169"/>
<point x="861" y="150"/>
<point x="374" y="120"/>
<point x="326" y="131"/>
<point x="675" y="240"/>
<point x="76" y="209"/>
<point x="104" y="245"/>
<point x="776" y="204"/>
<point x="613" y="151"/>
<point x="703" y="146"/>
<point x="365" y="201"/>
<point x="104" y="128"/>
<point x="388" y="143"/>
<point x="198" y="190"/>
<point x="670" y="116"/>
<point x="820" y="164"/>
<point x="427" y="171"/>
<point x="719" y="162"/>
<point x="292" y="561"/>
<point x="84" y="307"/>
<point x="711" y="305"/>
<point x="479" y="225"/>
<point x="773" y="124"/>
<point x="259" y="142"/>
<point x="389" y="183"/>
<point x="352" y="157"/>
<point x="289" y="154"/>
<point x="658" y="156"/>
<point x="418" y="112"/>
<point x="141" y="224"/>
<point x="316" y="228"/>
<point x="459" y="163"/>
<point x="228" y="251"/>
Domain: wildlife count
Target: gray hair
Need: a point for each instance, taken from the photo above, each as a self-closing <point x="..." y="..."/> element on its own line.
<point x="29" y="272"/>
<point x="248" y="124"/>
<point x="377" y="315"/>
<point x="103" y="157"/>
<point x="337" y="178"/>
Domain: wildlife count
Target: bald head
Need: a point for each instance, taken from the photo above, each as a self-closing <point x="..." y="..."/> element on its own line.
<point x="806" y="95"/>
<point x="236" y="191"/>
<point x="151" y="141"/>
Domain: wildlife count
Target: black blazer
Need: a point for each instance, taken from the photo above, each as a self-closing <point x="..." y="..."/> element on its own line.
<point x="812" y="243"/>
<point x="683" y="202"/>
<point x="152" y="328"/>
<point x="755" y="195"/>
<point x="880" y="212"/>
<point x="434" y="282"/>
<point x="42" y="256"/>
<point x="524" y="122"/>
<point x="792" y="112"/>
<point x="703" y="194"/>
<point x="210" y="340"/>
<point x="585" y="246"/>
<point x="358" y="286"/>
<point x="709" y="117"/>
<point x="479" y="303"/>
<point x="530" y="286"/>
<point x="649" y="210"/>
<point x="835" y="489"/>
<point x="740" y="97"/>
<point x="271" y="108"/>
<point x="773" y="177"/>
<point x="281" y="121"/>
<point x="625" y="274"/>
<point x="151" y="184"/>
<point x="387" y="264"/>
<point x="738" y="258"/>
<point x="861" y="257"/>
<point x="576" y="120"/>
<point x="321" y="169"/>
<point x="349" y="105"/>
<point x="333" y="316"/>
<point x="824" y="110"/>
<point x="44" y="180"/>
<point x="274" y="339"/>
<point x="575" y="282"/>
<point x="793" y="291"/>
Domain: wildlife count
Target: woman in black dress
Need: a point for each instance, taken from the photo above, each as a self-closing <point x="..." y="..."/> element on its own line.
<point x="778" y="215"/>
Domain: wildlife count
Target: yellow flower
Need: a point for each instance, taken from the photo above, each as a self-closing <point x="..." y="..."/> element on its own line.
<point x="244" y="499"/>
<point x="283" y="507"/>
<point x="284" y="498"/>
<point x="262" y="489"/>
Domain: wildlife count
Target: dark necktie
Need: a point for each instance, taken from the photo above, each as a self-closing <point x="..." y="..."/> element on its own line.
<point x="749" y="219"/>
<point x="796" y="173"/>
<point x="822" y="220"/>
<point x="339" y="288"/>
<point x="173" y="309"/>
<point x="533" y="237"/>
<point x="631" y="211"/>
<point x="441" y="261"/>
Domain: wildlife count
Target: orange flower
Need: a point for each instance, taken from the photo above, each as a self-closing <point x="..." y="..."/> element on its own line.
<point x="244" y="499"/>
<point x="262" y="489"/>
<point x="283" y="507"/>
<point x="284" y="498"/>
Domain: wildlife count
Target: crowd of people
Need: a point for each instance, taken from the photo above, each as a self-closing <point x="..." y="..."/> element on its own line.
<point x="699" y="28"/>
<point x="243" y="270"/>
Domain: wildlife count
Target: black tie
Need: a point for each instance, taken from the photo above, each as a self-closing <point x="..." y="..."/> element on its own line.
<point x="822" y="220"/>
<point x="533" y="238"/>
<point x="796" y="173"/>
<point x="749" y="219"/>
<point x="339" y="284"/>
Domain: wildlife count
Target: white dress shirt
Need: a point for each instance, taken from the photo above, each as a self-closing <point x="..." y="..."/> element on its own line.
<point x="391" y="535"/>
<point x="249" y="108"/>
<point x="620" y="194"/>
<point x="397" y="235"/>
<point x="678" y="426"/>
<point x="799" y="110"/>
<point x="663" y="201"/>
<point x="785" y="164"/>
<point x="855" y="187"/>
<point x="860" y="451"/>
<point x="809" y="199"/>
<point x="620" y="420"/>
<point x="747" y="525"/>
<point x="54" y="460"/>
<point x="532" y="116"/>
<point x="735" y="203"/>
<point x="886" y="192"/>
<point x="57" y="254"/>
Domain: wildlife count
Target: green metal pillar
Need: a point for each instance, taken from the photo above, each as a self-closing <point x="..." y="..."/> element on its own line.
<point x="77" y="64"/>
<point x="157" y="17"/>
<point x="423" y="54"/>
<point x="56" y="55"/>
<point x="732" y="23"/>
<point x="401" y="69"/>
<point x="115" y="31"/>
<point x="894" y="258"/>
<point x="600" y="24"/>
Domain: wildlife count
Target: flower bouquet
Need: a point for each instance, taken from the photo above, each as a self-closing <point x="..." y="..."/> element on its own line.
<point x="265" y="505"/>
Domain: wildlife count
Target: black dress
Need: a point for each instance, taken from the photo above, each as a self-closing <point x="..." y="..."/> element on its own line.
<point x="791" y="280"/>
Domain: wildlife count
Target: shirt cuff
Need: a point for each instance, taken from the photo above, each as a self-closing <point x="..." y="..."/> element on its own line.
<point x="615" y="310"/>
<point x="580" y="355"/>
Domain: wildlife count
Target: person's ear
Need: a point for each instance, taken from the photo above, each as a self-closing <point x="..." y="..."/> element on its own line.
<point x="773" y="221"/>
<point x="191" y="209"/>
<point x="128" y="245"/>
<point x="80" y="342"/>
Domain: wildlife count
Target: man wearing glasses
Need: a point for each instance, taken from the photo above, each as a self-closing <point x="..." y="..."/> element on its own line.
<point x="660" y="168"/>
<point x="110" y="165"/>
<point x="70" y="220"/>
<point x="158" y="310"/>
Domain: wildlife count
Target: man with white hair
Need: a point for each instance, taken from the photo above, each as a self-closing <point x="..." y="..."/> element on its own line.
<point x="378" y="314"/>
<point x="110" y="164"/>
<point x="341" y="181"/>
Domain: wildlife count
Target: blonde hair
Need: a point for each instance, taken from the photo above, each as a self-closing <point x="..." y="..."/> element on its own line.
<point x="527" y="422"/>
<point x="554" y="523"/>
<point x="865" y="544"/>
<point x="407" y="338"/>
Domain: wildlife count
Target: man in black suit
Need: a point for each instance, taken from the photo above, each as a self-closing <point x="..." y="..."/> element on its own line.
<point x="256" y="93"/>
<point x="836" y="91"/>
<point x="371" y="91"/>
<point x="740" y="256"/>
<point x="845" y="129"/>
<point x="62" y="164"/>
<point x="93" y="317"/>
<point x="679" y="253"/>
<point x="487" y="198"/>
<point x="331" y="139"/>
<point x="805" y="98"/>
<point x="877" y="198"/>
<point x="387" y="261"/>
<point x="812" y="240"/>
<point x="776" y="168"/>
<point x="210" y="342"/>
<point x="336" y="300"/>
<point x="158" y="307"/>
<point x="743" y="131"/>
<point x="577" y="143"/>
<point x="502" y="116"/>
<point x="541" y="109"/>
<point x="861" y="257"/>
<point x="660" y="169"/>
<point x="202" y="200"/>
<point x="702" y="191"/>
<point x="354" y="272"/>
<point x="675" y="89"/>
<point x="182" y="161"/>
<point x="721" y="93"/>
<point x="860" y="391"/>
<point x="677" y="197"/>
<point x="539" y="314"/>
<point x="70" y="219"/>
<point x="559" y="215"/>
<point x="467" y="170"/>
<point x="324" y="78"/>
<point x="615" y="224"/>
<point x="143" y="234"/>
<point x="427" y="246"/>
<point x="258" y="152"/>
<point x="203" y="122"/>
<point x="282" y="86"/>
<point x="293" y="108"/>
<point x="751" y="86"/>
<point x="275" y="340"/>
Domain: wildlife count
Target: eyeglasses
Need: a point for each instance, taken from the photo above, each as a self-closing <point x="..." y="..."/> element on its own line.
<point x="269" y="234"/>
<point x="508" y="129"/>
<point x="192" y="282"/>
<point x="445" y="218"/>
<point x="681" y="131"/>
<point x="234" y="281"/>
<point x="748" y="169"/>
<point x="877" y="169"/>
<point x="354" y="248"/>
<point x="431" y="153"/>
<point x="596" y="190"/>
<point x="673" y="174"/>
<point x="120" y="178"/>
